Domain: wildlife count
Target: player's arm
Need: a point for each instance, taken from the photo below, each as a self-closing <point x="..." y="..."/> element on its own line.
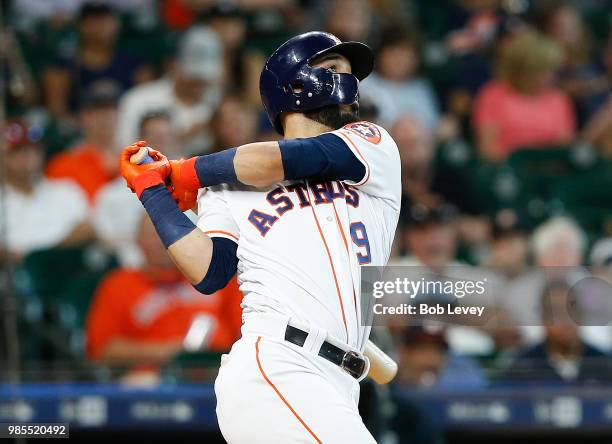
<point x="324" y="157"/>
<point x="208" y="263"/>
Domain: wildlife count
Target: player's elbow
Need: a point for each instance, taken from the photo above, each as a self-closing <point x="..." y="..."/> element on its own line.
<point x="209" y="286"/>
<point x="204" y="288"/>
<point x="223" y="266"/>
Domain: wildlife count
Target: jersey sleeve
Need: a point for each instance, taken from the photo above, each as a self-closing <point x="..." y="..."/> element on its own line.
<point x="214" y="216"/>
<point x="377" y="151"/>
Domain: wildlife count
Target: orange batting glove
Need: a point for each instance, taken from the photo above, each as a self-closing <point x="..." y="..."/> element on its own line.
<point x="185" y="183"/>
<point x="141" y="177"/>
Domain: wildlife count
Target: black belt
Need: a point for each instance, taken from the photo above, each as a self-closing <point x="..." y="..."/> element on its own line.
<point x="349" y="361"/>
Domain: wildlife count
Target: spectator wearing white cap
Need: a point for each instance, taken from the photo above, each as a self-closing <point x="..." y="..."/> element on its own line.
<point x="190" y="92"/>
<point x="558" y="247"/>
<point x="558" y="242"/>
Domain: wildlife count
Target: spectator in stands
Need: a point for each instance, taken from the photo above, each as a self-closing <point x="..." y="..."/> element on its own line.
<point x="234" y="123"/>
<point x="116" y="212"/>
<point x="558" y="246"/>
<point x="425" y="360"/>
<point x="522" y="107"/>
<point x="39" y="213"/>
<point x="229" y="23"/>
<point x="423" y="181"/>
<point x="190" y="93"/>
<point x="157" y="129"/>
<point x="580" y="76"/>
<point x="349" y="19"/>
<point x="428" y="242"/>
<point x="598" y="311"/>
<point x="563" y="356"/>
<point x="429" y="235"/>
<point x="144" y="315"/>
<point x="509" y="247"/>
<point x="559" y="242"/>
<point x="97" y="59"/>
<point x="395" y="86"/>
<point x="92" y="163"/>
<point x="601" y="258"/>
<point x="598" y="130"/>
<point x="508" y="259"/>
<point x="29" y="13"/>
<point x="180" y="14"/>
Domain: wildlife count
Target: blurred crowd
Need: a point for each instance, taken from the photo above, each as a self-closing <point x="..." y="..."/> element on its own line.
<point x="501" y="110"/>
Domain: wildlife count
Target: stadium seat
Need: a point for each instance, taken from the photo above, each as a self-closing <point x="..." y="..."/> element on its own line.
<point x="73" y="306"/>
<point x="537" y="167"/>
<point x="535" y="172"/>
<point x="62" y="280"/>
<point x="193" y="366"/>
<point x="587" y="199"/>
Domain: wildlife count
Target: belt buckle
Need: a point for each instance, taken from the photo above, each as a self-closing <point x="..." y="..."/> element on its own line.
<point x="353" y="364"/>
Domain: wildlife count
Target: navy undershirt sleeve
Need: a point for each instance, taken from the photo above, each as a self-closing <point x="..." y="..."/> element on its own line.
<point x="170" y="222"/>
<point x="222" y="268"/>
<point x="325" y="157"/>
<point x="171" y="225"/>
<point x="216" y="168"/>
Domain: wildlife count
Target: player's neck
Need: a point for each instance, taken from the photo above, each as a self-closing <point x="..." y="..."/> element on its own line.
<point x="299" y="126"/>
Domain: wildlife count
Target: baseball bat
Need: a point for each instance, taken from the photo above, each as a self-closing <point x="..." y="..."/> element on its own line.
<point x="141" y="156"/>
<point x="382" y="368"/>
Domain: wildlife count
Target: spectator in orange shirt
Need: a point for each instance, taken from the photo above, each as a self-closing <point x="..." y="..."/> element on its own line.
<point x="145" y="315"/>
<point x="93" y="163"/>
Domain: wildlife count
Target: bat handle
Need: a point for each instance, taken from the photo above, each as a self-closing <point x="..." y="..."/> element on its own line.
<point x="146" y="159"/>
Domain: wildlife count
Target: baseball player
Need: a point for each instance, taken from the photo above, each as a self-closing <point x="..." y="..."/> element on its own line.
<point x="295" y="219"/>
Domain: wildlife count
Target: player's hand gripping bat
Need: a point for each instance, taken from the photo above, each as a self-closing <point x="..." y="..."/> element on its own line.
<point x="186" y="199"/>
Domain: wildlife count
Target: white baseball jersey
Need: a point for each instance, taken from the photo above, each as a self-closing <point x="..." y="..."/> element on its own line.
<point x="301" y="243"/>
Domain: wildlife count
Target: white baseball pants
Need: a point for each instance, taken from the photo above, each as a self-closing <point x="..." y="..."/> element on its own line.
<point x="270" y="391"/>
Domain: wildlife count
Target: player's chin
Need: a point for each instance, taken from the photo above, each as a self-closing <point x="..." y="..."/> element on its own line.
<point x="349" y="113"/>
<point x="335" y="116"/>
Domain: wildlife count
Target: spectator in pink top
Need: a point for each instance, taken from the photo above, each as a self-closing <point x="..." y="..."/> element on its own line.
<point x="522" y="107"/>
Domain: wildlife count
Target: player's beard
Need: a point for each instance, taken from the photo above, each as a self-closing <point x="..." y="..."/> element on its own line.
<point x="333" y="116"/>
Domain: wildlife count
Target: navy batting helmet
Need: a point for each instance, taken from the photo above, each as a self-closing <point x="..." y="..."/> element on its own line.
<point x="289" y="83"/>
